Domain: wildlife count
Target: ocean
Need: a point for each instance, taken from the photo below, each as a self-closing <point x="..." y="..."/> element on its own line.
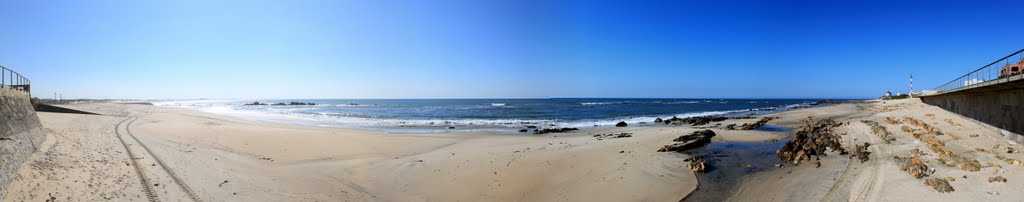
<point x="502" y="115"/>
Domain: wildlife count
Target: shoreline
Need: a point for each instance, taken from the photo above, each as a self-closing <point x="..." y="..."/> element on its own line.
<point x="322" y="115"/>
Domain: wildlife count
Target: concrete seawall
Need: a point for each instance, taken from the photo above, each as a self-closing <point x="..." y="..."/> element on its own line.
<point x="1000" y="106"/>
<point x="20" y="133"/>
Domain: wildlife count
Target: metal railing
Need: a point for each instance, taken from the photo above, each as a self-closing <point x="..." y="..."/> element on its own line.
<point x="11" y="79"/>
<point x="1008" y="66"/>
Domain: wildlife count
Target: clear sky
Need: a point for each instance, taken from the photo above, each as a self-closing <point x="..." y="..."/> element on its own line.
<point x="500" y="48"/>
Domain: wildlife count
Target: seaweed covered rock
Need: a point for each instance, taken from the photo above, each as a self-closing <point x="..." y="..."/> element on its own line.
<point x="880" y="131"/>
<point x="811" y="141"/>
<point x="997" y="179"/>
<point x="960" y="162"/>
<point x="940" y="185"/>
<point x="913" y="166"/>
<point x="861" y="152"/>
<point x="686" y="142"/>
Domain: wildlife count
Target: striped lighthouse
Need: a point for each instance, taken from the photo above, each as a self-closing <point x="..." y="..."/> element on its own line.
<point x="911" y="86"/>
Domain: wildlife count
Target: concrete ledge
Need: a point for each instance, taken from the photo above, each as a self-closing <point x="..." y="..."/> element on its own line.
<point x="998" y="103"/>
<point x="20" y="133"/>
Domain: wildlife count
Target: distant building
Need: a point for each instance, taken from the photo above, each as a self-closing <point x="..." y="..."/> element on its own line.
<point x="1011" y="69"/>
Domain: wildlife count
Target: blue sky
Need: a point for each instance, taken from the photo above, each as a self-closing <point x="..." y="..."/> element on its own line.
<point x="500" y="48"/>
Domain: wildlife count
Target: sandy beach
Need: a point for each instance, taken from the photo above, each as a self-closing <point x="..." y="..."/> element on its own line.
<point x="184" y="154"/>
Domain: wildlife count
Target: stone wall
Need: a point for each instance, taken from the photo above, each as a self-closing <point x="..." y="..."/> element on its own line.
<point x="20" y="133"/>
<point x="1000" y="106"/>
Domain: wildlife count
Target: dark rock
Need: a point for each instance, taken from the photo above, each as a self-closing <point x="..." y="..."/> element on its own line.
<point x="531" y="127"/>
<point x="658" y="120"/>
<point x="694" y="121"/>
<point x="254" y="104"/>
<point x="693" y="140"/>
<point x="553" y="130"/>
<point x="279" y="104"/>
<point x="757" y="124"/>
<point x="621" y="124"/>
<point x="523" y="130"/>
<point x="301" y="103"/>
<point x="451" y="127"/>
<point x="613" y="135"/>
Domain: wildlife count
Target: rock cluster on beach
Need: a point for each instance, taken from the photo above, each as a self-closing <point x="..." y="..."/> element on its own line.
<point x="812" y="142"/>
<point x="686" y="142"/>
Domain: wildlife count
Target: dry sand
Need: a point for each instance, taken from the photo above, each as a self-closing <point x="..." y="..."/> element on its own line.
<point x="221" y="158"/>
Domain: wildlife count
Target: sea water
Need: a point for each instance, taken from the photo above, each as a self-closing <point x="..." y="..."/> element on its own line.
<point x="484" y="114"/>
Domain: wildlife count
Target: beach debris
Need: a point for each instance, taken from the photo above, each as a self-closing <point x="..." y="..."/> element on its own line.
<point x="697" y="163"/>
<point x="612" y="135"/>
<point x="1010" y="150"/>
<point x="553" y="130"/>
<point x="940" y="185"/>
<point x="686" y="142"/>
<point x="222" y="183"/>
<point x="861" y="152"/>
<point x="913" y="166"/>
<point x="694" y="121"/>
<point x="997" y="179"/>
<point x="658" y="120"/>
<point x="892" y="121"/>
<point x="930" y="115"/>
<point x="621" y="124"/>
<point x="811" y="141"/>
<point x="960" y="162"/>
<point x="974" y="135"/>
<point x="731" y="126"/>
<point x="880" y="131"/>
<point x="757" y="124"/>
<point x="1011" y="161"/>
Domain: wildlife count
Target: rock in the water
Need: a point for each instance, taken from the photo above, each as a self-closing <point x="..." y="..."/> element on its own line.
<point x="697" y="163"/>
<point x="658" y="120"/>
<point x="523" y="130"/>
<point x="621" y="124"/>
<point x="940" y="185"/>
<point x="694" y="121"/>
<point x="686" y="142"/>
<point x="254" y="104"/>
